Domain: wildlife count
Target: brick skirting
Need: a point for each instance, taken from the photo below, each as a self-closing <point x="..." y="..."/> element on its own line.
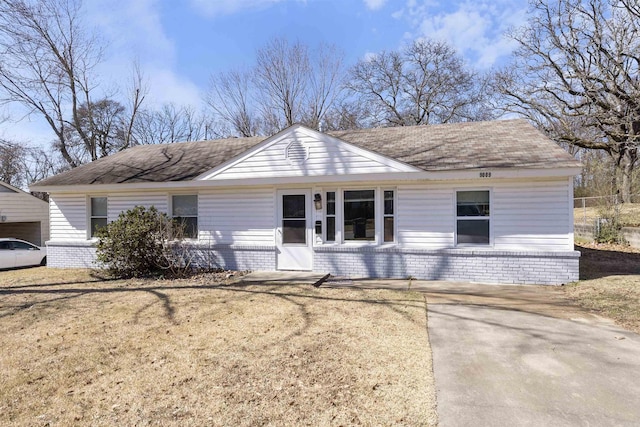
<point x="483" y="266"/>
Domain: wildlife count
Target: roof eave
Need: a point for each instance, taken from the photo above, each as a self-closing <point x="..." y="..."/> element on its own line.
<point x="446" y="175"/>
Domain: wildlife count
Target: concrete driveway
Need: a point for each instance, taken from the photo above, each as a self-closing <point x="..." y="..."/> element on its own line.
<point x="522" y="355"/>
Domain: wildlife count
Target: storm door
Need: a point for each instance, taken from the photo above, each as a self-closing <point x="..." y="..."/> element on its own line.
<point x="294" y="233"/>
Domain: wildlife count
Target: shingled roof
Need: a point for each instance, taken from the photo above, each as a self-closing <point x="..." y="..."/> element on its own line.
<point x="459" y="146"/>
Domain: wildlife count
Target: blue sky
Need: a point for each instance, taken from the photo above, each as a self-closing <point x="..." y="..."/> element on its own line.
<point x="179" y="44"/>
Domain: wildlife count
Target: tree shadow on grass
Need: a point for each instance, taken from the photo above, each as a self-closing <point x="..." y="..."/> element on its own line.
<point x="44" y="294"/>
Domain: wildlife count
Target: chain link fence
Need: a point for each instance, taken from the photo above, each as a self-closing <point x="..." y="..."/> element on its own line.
<point x="587" y="210"/>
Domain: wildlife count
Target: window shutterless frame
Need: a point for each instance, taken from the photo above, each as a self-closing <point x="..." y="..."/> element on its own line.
<point x="98" y="214"/>
<point x="184" y="209"/>
<point x="359" y="213"/>
<point x="331" y="224"/>
<point x="473" y="223"/>
<point x="388" y="215"/>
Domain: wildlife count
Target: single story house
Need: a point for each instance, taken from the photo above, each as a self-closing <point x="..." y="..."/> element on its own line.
<point x="486" y="202"/>
<point x="23" y="216"/>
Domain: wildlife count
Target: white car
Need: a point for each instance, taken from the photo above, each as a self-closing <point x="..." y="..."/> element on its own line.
<point x="18" y="253"/>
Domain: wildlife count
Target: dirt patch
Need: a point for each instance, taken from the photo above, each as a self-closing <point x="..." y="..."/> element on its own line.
<point x="610" y="283"/>
<point x="207" y="351"/>
<point x="599" y="260"/>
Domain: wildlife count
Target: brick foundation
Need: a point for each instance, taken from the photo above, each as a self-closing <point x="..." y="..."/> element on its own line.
<point x="82" y="254"/>
<point x="544" y="268"/>
<point x="484" y="266"/>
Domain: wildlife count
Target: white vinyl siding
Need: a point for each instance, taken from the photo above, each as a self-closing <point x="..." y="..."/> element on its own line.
<point x="20" y="214"/>
<point x="237" y="217"/>
<point x="324" y="158"/>
<point x="68" y="214"/>
<point x="532" y="216"/>
<point x="121" y="202"/>
<point x="424" y="216"/>
<point x="524" y="215"/>
<point x="21" y="207"/>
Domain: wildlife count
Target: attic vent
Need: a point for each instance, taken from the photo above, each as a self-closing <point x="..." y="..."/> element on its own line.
<point x="296" y="153"/>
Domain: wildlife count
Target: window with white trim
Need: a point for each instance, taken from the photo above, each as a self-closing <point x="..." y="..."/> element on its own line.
<point x="97" y="214"/>
<point x="388" y="216"/>
<point x="364" y="215"/>
<point x="359" y="215"/>
<point x="473" y="216"/>
<point x="331" y="217"/>
<point x="184" y="209"/>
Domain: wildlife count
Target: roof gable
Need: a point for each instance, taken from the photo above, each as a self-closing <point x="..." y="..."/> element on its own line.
<point x="300" y="151"/>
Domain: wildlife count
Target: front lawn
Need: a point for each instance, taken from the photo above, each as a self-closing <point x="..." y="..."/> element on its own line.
<point x="629" y="214"/>
<point x="609" y="283"/>
<point x="75" y="350"/>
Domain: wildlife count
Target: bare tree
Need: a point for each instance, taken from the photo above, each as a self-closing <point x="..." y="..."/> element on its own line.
<point x="11" y="163"/>
<point x="230" y="96"/>
<point x="281" y="76"/>
<point x="426" y="82"/>
<point x="576" y="75"/>
<point x="172" y="123"/>
<point x="48" y="66"/>
<point x="325" y="85"/>
<point x="101" y="124"/>
<point x="288" y="84"/>
<point x="348" y="114"/>
<point x="21" y="165"/>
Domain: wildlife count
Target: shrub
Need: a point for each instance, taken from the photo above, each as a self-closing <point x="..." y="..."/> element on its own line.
<point x="142" y="242"/>
<point x="608" y="228"/>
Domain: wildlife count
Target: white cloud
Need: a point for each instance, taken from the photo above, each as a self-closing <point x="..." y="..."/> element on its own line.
<point x="213" y="8"/>
<point x="167" y="87"/>
<point x="475" y="28"/>
<point x="135" y="33"/>
<point x="374" y="4"/>
<point x="369" y="56"/>
<point x="23" y="129"/>
<point x="132" y="32"/>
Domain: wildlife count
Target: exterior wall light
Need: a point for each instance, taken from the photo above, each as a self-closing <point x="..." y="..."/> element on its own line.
<point x="317" y="201"/>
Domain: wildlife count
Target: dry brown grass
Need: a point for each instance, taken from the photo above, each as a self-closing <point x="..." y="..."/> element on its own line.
<point x="610" y="283"/>
<point x="78" y="351"/>
<point x="629" y="215"/>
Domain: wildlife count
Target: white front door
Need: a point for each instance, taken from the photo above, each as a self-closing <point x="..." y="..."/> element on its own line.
<point x="293" y="233"/>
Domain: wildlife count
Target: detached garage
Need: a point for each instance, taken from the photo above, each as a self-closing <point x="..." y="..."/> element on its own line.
<point x="23" y="216"/>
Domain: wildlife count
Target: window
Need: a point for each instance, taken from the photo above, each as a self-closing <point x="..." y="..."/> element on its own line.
<point x="331" y="216"/>
<point x="294" y="219"/>
<point x="98" y="214"/>
<point x="388" y="216"/>
<point x="472" y="217"/>
<point x="25" y="246"/>
<point x="359" y="215"/>
<point x="185" y="211"/>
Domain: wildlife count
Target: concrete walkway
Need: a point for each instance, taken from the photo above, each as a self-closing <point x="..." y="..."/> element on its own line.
<point x="518" y="355"/>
